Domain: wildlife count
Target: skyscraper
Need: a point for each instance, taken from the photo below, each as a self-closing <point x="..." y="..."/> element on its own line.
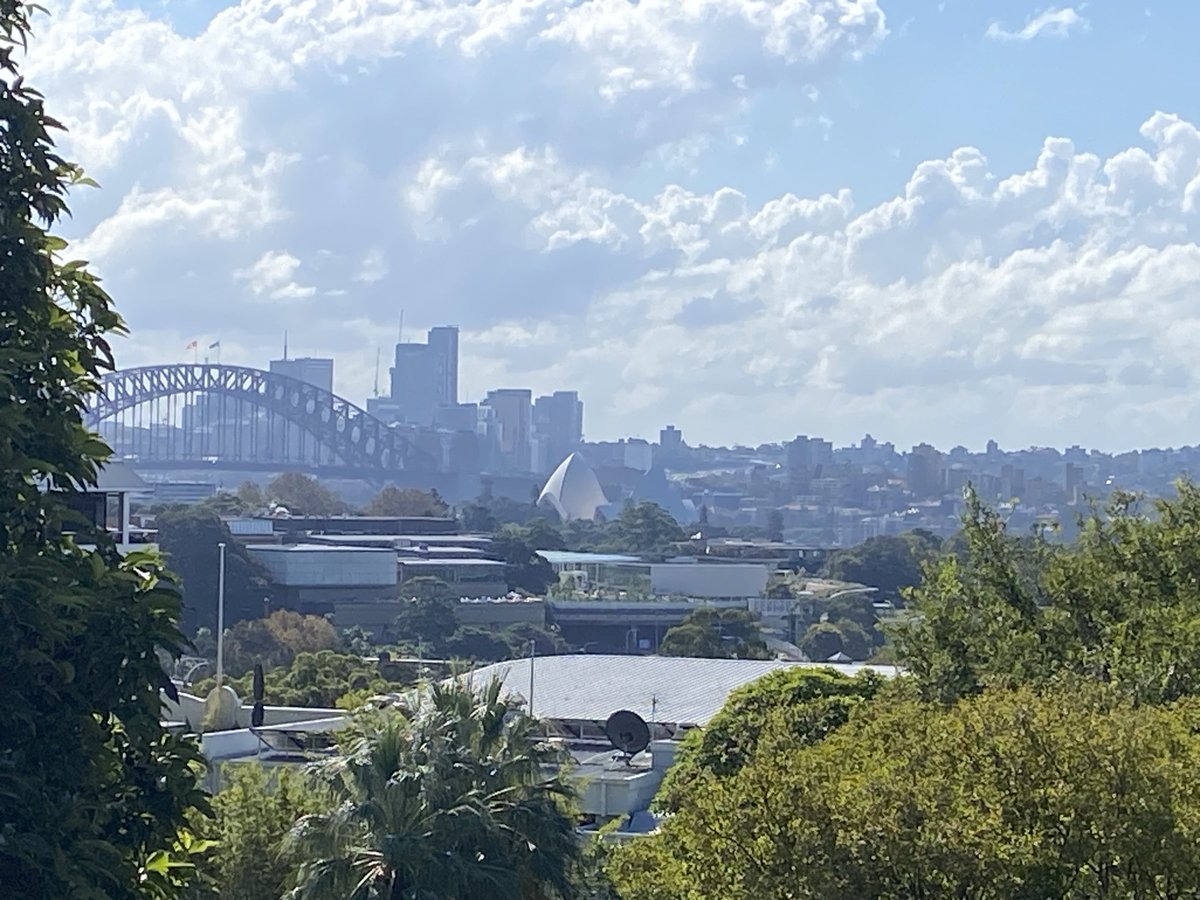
<point x="557" y="428"/>
<point x="443" y="348"/>
<point x="425" y="376"/>
<point x="309" y="369"/>
<point x="513" y="408"/>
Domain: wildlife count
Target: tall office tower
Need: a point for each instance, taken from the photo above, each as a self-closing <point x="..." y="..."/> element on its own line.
<point x="310" y="369"/>
<point x="557" y="428"/>
<point x="425" y="376"/>
<point x="443" y="345"/>
<point x="513" y="408"/>
<point x="670" y="439"/>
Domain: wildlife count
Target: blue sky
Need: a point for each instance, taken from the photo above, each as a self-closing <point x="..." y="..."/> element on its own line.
<point x="930" y="221"/>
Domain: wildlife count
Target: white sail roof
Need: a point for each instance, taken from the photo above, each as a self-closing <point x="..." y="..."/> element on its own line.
<point x="573" y="490"/>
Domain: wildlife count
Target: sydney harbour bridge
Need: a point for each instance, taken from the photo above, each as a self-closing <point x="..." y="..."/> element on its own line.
<point x="238" y="418"/>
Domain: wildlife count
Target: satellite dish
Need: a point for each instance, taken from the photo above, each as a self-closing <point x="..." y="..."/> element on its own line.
<point x="628" y="732"/>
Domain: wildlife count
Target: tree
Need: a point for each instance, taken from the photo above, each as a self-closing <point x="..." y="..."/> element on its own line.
<point x="540" y="534"/>
<point x="856" y="642"/>
<point x="794" y="707"/>
<point x="524" y="569"/>
<point x="1069" y="792"/>
<point x="276" y="640"/>
<point x="822" y="641"/>
<point x="427" y="616"/>
<point x="313" y="679"/>
<point x="394" y="501"/>
<point x="254" y="812"/>
<point x="475" y="643"/>
<point x="715" y="634"/>
<point x="444" y="794"/>
<point x="1121" y="606"/>
<point x="189" y="537"/>
<point x="303" y="495"/>
<point x="857" y="608"/>
<point x="251" y="496"/>
<point x="889" y="563"/>
<point x="546" y="643"/>
<point x="645" y="529"/>
<point x="94" y="793"/>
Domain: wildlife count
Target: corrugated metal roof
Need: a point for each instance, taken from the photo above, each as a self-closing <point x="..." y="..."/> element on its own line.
<point x="666" y="689"/>
<point x="568" y="558"/>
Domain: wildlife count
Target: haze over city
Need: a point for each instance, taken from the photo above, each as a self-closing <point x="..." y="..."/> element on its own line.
<point x="967" y="221"/>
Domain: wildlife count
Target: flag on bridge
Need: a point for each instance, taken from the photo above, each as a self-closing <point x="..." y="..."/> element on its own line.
<point x="214" y="345"/>
<point x="192" y="345"/>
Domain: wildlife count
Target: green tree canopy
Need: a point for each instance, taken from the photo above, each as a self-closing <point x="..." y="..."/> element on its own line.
<point x="276" y="640"/>
<point x="790" y="707"/>
<point x="394" y="501"/>
<point x="524" y="569"/>
<point x="822" y="641"/>
<point x="427" y="614"/>
<point x="303" y="495"/>
<point x="93" y="791"/>
<point x="645" y="529"/>
<point x="189" y="536"/>
<point x="1122" y="605"/>
<point x="315" y="679"/>
<point x="1072" y="793"/>
<point x="889" y="563"/>
<point x="714" y="633"/>
<point x="254" y="811"/>
<point x="447" y="794"/>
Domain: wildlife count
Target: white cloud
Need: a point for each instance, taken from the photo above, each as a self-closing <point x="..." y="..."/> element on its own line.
<point x="511" y="167"/>
<point x="273" y="276"/>
<point x="1053" y="22"/>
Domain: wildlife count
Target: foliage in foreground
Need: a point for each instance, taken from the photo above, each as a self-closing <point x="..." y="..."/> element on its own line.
<point x="1043" y="746"/>
<point x="1121" y="606"/>
<point x="253" y="813"/>
<point x="1073" y="792"/>
<point x="796" y="707"/>
<point x="93" y="793"/>
<point x="445" y="794"/>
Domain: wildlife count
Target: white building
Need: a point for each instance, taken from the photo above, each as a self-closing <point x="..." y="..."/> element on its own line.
<point x="573" y="491"/>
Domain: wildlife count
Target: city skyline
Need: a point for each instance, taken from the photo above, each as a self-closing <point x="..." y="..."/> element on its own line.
<point x="382" y="405"/>
<point x="966" y="222"/>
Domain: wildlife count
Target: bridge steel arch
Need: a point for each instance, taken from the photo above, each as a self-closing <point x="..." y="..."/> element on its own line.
<point x="361" y="441"/>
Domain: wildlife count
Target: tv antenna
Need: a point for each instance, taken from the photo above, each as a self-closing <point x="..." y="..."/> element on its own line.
<point x="628" y="732"/>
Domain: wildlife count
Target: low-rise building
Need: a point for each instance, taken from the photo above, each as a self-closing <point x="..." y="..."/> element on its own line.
<point x="466" y="576"/>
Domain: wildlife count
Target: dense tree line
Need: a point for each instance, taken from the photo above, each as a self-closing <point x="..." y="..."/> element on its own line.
<point x="1041" y="745"/>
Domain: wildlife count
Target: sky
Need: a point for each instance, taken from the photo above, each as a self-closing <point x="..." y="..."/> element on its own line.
<point x="930" y="221"/>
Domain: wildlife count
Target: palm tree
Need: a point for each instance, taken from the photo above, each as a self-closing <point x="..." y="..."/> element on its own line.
<point x="448" y="794"/>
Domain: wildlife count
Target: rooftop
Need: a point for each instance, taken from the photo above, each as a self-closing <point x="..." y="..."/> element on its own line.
<point x="569" y="557"/>
<point x="662" y="689"/>
<point x="317" y="548"/>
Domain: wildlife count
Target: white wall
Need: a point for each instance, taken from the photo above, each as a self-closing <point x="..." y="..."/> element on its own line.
<point x="701" y="579"/>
